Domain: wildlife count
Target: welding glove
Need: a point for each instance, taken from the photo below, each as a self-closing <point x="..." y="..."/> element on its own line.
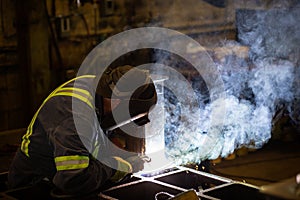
<point x="136" y="162"/>
<point x="124" y="169"/>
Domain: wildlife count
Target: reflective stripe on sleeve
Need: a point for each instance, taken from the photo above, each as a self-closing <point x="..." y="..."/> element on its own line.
<point x="71" y="162"/>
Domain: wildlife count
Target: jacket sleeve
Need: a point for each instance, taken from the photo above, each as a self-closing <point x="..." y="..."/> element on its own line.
<point x="71" y="133"/>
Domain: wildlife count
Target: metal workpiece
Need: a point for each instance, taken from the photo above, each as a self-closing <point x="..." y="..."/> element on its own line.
<point x="176" y="183"/>
<point x="182" y="183"/>
<point x="167" y="183"/>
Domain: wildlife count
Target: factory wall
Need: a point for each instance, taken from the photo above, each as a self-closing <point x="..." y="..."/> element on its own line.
<point x="10" y="97"/>
<point x="41" y="53"/>
<point x="72" y="31"/>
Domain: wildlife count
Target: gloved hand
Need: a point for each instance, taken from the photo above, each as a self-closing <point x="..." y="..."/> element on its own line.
<point x="136" y="162"/>
<point x="124" y="169"/>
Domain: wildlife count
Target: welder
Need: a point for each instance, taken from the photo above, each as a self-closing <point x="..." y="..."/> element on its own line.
<point x="57" y="149"/>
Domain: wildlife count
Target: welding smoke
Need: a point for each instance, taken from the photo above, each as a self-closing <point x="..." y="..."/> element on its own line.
<point x="258" y="83"/>
<point x="253" y="97"/>
<point x="259" y="75"/>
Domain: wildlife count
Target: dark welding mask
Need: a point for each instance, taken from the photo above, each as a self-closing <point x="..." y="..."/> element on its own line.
<point x="134" y="106"/>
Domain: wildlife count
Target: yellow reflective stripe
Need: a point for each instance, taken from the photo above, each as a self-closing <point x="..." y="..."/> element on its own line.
<point x="85" y="92"/>
<point x="96" y="149"/>
<point x="81" y="95"/>
<point x="71" y="162"/>
<point x="71" y="94"/>
<point x="69" y="167"/>
<point x="67" y="158"/>
<point x="25" y="138"/>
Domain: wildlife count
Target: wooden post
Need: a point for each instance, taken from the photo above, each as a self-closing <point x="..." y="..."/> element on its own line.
<point x="33" y="53"/>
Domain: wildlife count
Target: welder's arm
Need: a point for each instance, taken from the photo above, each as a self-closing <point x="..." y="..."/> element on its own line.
<point x="77" y="171"/>
<point x="92" y="174"/>
<point x="126" y="167"/>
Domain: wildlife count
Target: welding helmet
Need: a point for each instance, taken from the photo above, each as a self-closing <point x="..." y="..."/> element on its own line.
<point x="136" y="92"/>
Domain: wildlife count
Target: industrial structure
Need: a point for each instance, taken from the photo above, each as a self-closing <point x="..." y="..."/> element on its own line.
<point x="227" y="77"/>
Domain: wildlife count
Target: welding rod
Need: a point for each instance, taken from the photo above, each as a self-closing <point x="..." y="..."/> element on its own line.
<point x="127" y="121"/>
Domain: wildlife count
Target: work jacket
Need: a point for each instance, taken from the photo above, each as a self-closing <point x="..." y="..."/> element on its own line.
<point x="61" y="148"/>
